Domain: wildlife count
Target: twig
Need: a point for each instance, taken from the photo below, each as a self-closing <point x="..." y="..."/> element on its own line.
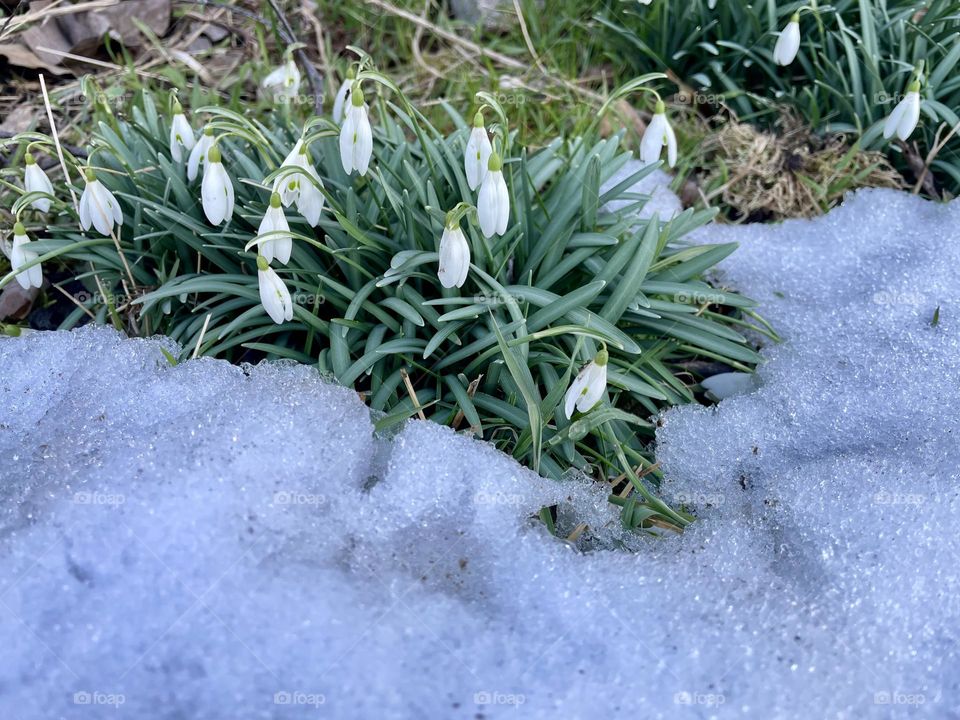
<point x="316" y="81"/>
<point x="526" y="37"/>
<point x="412" y="393"/>
<point x="56" y="142"/>
<point x="938" y="145"/>
<point x="203" y="331"/>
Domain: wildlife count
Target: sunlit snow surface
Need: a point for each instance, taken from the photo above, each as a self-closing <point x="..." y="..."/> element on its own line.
<point x="206" y="541"/>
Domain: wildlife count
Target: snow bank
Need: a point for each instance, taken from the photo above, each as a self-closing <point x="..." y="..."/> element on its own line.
<point x="207" y="541"/>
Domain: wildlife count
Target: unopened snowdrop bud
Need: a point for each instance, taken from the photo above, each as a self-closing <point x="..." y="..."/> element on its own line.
<point x="356" y="138"/>
<point x="199" y="153"/>
<point x="339" y="102"/>
<point x="98" y="207"/>
<point x="788" y="44"/>
<point x="36" y="180"/>
<point x="454" y="257"/>
<point x="905" y="116"/>
<point x="20" y="255"/>
<point x="273" y="293"/>
<point x="274" y="221"/>
<point x="216" y="190"/>
<point x="477" y="154"/>
<point x="181" y="134"/>
<point x="493" y="202"/>
<point x="658" y="134"/>
<point x="588" y="387"/>
<point x="284" y="82"/>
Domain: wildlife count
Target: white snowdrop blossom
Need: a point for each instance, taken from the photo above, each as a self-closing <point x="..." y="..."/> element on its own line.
<point x="454" y="257"/>
<point x="302" y="188"/>
<point x="356" y="138"/>
<point x="477" y="154"/>
<point x="905" y="116"/>
<point x="493" y="202"/>
<point x="216" y="190"/>
<point x="273" y="293"/>
<point x="98" y="207"/>
<point x="658" y="134"/>
<point x="343" y="94"/>
<point x="284" y="82"/>
<point x="36" y="180"/>
<point x="788" y="44"/>
<point x="588" y="387"/>
<point x="274" y="221"/>
<point x="20" y="255"/>
<point x="288" y="185"/>
<point x="181" y="134"/>
<point x="199" y="153"/>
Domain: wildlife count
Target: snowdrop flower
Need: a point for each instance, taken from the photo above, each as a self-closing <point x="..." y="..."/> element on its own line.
<point x="216" y="190"/>
<point x="788" y="43"/>
<point x="342" y="94"/>
<point x="905" y="116"/>
<point x="588" y="387"/>
<point x="658" y="134"/>
<point x="36" y="180"/>
<point x="199" y="153"/>
<point x="273" y="293"/>
<point x="98" y="207"/>
<point x="356" y="138"/>
<point x="454" y="257"/>
<point x="274" y="221"/>
<point x="288" y="184"/>
<point x="477" y="154"/>
<point x="302" y="188"/>
<point x="284" y="82"/>
<point x="493" y="202"/>
<point x="20" y="256"/>
<point x="181" y="134"/>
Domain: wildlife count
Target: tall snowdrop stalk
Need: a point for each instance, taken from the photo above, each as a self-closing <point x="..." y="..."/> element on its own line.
<point x="658" y="134"/>
<point x="36" y="180"/>
<point x="216" y="190"/>
<point x="905" y="116"/>
<point x="274" y="222"/>
<point x="20" y="255"/>
<point x="477" y="154"/>
<point x="788" y="44"/>
<point x="588" y="387"/>
<point x="181" y="134"/>
<point x="343" y="94"/>
<point x="199" y="153"/>
<point x="493" y="202"/>
<point x="454" y="254"/>
<point x="356" y="138"/>
<point x="273" y="293"/>
<point x="98" y="207"/>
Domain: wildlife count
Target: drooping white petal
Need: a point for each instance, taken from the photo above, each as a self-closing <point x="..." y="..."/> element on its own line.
<point x="216" y="193"/>
<point x="274" y="296"/>
<point x="348" y="134"/>
<point x="788" y="44"/>
<point x="284" y="81"/>
<point x="99" y="208"/>
<point x="339" y="102"/>
<point x="454" y="258"/>
<point x="310" y="201"/>
<point x="20" y="255"/>
<point x="364" y="141"/>
<point x="36" y="180"/>
<point x="892" y="123"/>
<point x="476" y="156"/>
<point x="653" y="137"/>
<point x="277" y="246"/>
<point x="911" y="115"/>
<point x="84" y="210"/>
<point x="181" y="137"/>
<point x="288" y="184"/>
<point x="596" y="386"/>
<point x="574" y="392"/>
<point x="503" y="204"/>
<point x="488" y="211"/>
<point x="671" y="142"/>
<point x="198" y="155"/>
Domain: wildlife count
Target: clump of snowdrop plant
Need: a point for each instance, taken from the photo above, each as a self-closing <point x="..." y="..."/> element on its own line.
<point x="462" y="278"/>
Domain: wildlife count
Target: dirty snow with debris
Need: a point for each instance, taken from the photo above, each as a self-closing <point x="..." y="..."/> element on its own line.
<point x="208" y="541"/>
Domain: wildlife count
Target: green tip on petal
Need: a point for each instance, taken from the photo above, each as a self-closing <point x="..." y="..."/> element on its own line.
<point x="494" y="164"/>
<point x="262" y="264"/>
<point x="214" y="154"/>
<point x="356" y="95"/>
<point x="19" y="229"/>
<point x="275" y="200"/>
<point x="478" y="120"/>
<point x="660" y="108"/>
<point x="601" y="358"/>
<point x="28" y="159"/>
<point x="90" y="175"/>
